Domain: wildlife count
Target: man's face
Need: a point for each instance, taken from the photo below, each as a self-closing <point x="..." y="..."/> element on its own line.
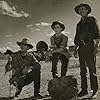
<point x="24" y="47"/>
<point x="83" y="11"/>
<point x="57" y="28"/>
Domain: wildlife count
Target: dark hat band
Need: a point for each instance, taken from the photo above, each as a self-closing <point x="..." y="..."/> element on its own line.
<point x="85" y="5"/>
<point x="29" y="45"/>
<point x="59" y="23"/>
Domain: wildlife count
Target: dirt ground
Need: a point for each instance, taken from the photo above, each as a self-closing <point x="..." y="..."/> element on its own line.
<point x="28" y="91"/>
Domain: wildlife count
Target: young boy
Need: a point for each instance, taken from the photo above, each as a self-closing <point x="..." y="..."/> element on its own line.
<point x="58" y="49"/>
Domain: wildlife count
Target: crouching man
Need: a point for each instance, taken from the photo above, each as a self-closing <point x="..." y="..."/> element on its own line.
<point x="25" y="69"/>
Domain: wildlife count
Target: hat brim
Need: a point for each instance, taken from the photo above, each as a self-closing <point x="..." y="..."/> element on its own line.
<point x="56" y="22"/>
<point x="29" y="45"/>
<point x="85" y="5"/>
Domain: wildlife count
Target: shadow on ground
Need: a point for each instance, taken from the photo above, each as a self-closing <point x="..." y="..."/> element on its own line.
<point x="34" y="98"/>
<point x="30" y="98"/>
<point x="6" y="98"/>
<point x="85" y="99"/>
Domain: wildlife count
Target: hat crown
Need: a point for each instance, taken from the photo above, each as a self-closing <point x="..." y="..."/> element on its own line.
<point x="59" y="23"/>
<point x="25" y="41"/>
<point x="85" y="5"/>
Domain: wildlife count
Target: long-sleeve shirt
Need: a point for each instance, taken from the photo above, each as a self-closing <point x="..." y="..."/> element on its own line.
<point x="19" y="62"/>
<point x="59" y="44"/>
<point x="86" y="30"/>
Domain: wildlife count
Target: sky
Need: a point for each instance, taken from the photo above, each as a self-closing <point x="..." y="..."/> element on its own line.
<point x="33" y="18"/>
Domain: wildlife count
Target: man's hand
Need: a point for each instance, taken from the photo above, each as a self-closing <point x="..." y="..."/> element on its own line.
<point x="49" y="53"/>
<point x="53" y="47"/>
<point x="96" y="46"/>
<point x="76" y="51"/>
<point x="26" y="70"/>
<point x="96" y="49"/>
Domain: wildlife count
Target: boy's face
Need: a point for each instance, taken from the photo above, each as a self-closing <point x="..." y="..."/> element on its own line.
<point x="57" y="28"/>
<point x="24" y="47"/>
<point x="83" y="11"/>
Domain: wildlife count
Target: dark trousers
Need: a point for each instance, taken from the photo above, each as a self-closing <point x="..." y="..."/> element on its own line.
<point x="87" y="58"/>
<point x="64" y="62"/>
<point x="34" y="75"/>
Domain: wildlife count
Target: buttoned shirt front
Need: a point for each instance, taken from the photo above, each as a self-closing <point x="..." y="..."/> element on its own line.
<point x="60" y="42"/>
<point x="86" y="30"/>
<point x="19" y="62"/>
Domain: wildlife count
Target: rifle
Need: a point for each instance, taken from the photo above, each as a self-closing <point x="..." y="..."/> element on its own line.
<point x="8" y="67"/>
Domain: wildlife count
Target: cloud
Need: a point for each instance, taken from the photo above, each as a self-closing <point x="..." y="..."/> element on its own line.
<point x="43" y="24"/>
<point x="10" y="42"/>
<point x="50" y="34"/>
<point x="28" y="26"/>
<point x="6" y="9"/>
<point x="66" y="33"/>
<point x="32" y="28"/>
<point x="8" y="35"/>
<point x="70" y="42"/>
<point x="37" y="29"/>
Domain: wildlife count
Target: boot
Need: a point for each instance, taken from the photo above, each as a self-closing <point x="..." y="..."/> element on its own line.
<point x="94" y="94"/>
<point x="54" y="75"/>
<point x="38" y="95"/>
<point x="82" y="93"/>
<point x="17" y="92"/>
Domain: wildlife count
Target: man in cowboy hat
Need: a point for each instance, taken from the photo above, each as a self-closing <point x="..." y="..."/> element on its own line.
<point x="87" y="39"/>
<point x="58" y="49"/>
<point x="25" y="68"/>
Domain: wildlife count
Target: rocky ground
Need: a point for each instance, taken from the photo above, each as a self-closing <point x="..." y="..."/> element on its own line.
<point x="28" y="91"/>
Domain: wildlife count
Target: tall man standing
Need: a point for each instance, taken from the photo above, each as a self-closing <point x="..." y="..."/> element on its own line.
<point x="86" y="39"/>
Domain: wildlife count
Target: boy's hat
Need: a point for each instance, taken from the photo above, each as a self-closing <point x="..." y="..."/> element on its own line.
<point x="59" y="23"/>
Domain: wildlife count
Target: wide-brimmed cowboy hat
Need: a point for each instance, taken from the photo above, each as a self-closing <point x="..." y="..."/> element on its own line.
<point x="26" y="42"/>
<point x="85" y="5"/>
<point x="59" y="23"/>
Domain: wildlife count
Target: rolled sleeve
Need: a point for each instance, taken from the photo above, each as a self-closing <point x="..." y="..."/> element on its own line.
<point x="53" y="45"/>
<point x="16" y="69"/>
<point x="52" y="41"/>
<point x="76" y="39"/>
<point x="32" y="61"/>
<point x="64" y="42"/>
<point x="94" y="28"/>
